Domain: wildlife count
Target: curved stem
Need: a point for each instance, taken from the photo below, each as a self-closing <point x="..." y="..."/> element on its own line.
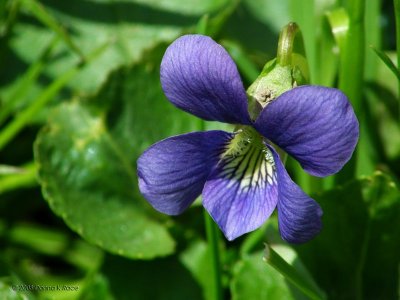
<point x="213" y="244"/>
<point x="285" y="44"/>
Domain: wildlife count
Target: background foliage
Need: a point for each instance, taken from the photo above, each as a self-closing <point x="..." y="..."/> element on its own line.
<point x="80" y="99"/>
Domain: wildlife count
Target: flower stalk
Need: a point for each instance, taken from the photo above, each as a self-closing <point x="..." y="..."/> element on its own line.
<point x="285" y="44"/>
<point x="291" y="53"/>
<point x="212" y="233"/>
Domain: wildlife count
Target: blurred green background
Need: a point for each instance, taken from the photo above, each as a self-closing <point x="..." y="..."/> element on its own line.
<point x="80" y="100"/>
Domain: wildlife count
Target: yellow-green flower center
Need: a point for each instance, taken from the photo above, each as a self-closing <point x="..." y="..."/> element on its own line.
<point x="248" y="160"/>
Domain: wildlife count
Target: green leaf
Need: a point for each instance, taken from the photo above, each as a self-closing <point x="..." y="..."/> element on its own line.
<point x="87" y="155"/>
<point x="356" y="254"/>
<point x="302" y="282"/>
<point x="133" y="26"/>
<point x="254" y="279"/>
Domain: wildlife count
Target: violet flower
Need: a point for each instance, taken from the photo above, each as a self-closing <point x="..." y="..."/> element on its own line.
<point x="240" y="175"/>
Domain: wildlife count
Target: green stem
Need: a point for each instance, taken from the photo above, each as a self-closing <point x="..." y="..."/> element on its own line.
<point x="351" y="75"/>
<point x="25" y="178"/>
<point x="291" y="274"/>
<point x="286" y="44"/>
<point x="212" y="232"/>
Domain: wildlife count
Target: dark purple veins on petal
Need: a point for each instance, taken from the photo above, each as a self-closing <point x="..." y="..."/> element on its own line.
<point x="199" y="76"/>
<point x="241" y="193"/>
<point x="299" y="216"/>
<point x="316" y="125"/>
<point x="173" y="171"/>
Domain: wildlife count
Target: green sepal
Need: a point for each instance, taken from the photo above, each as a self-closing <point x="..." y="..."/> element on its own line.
<point x="271" y="84"/>
<point x="281" y="74"/>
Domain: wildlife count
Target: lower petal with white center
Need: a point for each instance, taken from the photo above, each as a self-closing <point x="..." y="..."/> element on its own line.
<point x="242" y="191"/>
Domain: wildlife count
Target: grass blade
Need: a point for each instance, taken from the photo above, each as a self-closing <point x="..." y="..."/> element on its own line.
<point x="388" y="62"/>
<point x="291" y="274"/>
<point x="15" y="126"/>
<point x="48" y="20"/>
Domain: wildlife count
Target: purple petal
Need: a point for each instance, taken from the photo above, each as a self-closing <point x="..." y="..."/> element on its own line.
<point x="172" y="172"/>
<point x="299" y="216"/>
<point x="241" y="193"/>
<point x="316" y="125"/>
<point x="199" y="76"/>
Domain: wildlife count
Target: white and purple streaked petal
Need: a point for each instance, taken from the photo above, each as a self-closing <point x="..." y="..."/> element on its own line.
<point x="173" y="171"/>
<point x="241" y="192"/>
<point x="316" y="125"/>
<point x="299" y="216"/>
<point x="199" y="76"/>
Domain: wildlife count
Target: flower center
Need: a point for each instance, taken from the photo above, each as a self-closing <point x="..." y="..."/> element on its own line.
<point x="247" y="160"/>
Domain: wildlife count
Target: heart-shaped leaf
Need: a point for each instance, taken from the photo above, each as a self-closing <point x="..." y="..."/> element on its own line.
<point x="87" y="160"/>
